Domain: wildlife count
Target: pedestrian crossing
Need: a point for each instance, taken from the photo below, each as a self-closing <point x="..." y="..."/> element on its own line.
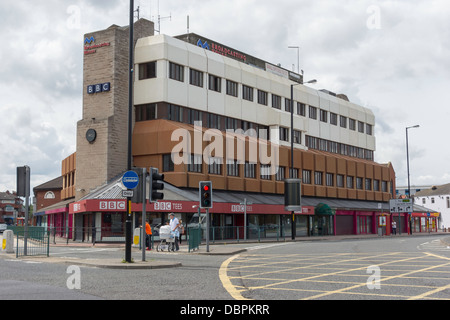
<point x="434" y="245"/>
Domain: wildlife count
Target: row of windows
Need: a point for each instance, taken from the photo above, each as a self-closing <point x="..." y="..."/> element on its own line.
<point x="320" y="178"/>
<point x="172" y="112"/>
<point x="153" y="111"/>
<point x="447" y="200"/>
<point x="338" y="148"/>
<point x="176" y="72"/>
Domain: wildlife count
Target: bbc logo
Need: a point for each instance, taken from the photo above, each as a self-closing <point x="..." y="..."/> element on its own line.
<point x="98" y="88"/>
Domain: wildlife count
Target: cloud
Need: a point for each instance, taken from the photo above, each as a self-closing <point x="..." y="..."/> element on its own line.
<point x="399" y="68"/>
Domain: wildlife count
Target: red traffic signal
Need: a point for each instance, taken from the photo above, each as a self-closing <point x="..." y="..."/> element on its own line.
<point x="205" y="194"/>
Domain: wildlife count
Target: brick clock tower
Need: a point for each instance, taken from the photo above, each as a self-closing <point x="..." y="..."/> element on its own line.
<point x="102" y="134"/>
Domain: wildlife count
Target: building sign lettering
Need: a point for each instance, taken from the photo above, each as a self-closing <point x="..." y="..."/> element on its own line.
<point x="90" y="47"/>
<point x="97" y="88"/>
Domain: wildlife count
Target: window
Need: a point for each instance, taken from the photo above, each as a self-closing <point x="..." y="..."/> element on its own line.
<point x="265" y="172"/>
<point x="352" y="124"/>
<point x="360" y="126"/>
<point x="196" y="78"/>
<point x="280" y="176"/>
<point x="306" y="176"/>
<point x="231" y="123"/>
<point x="215" y="83"/>
<point x="287" y="104"/>
<point x="146" y="112"/>
<point x="318" y="176"/>
<point x="297" y="136"/>
<point x="247" y="93"/>
<point x="340" y="181"/>
<point x="176" y="72"/>
<point x="147" y="70"/>
<point x="215" y="166"/>
<point x="376" y="185"/>
<point x="284" y="134"/>
<point x="312" y="112"/>
<point x="262" y="97"/>
<point x="369" y="129"/>
<point x="432" y="200"/>
<point x="368" y="184"/>
<point x="293" y="173"/>
<point x="423" y="201"/>
<point x="384" y="186"/>
<point x="359" y="183"/>
<point x="49" y="195"/>
<point x="329" y="180"/>
<point x="276" y="101"/>
<point x="301" y="109"/>
<point x="323" y="115"/>
<point x="333" y="118"/>
<point x="214" y="121"/>
<point x="250" y="170"/>
<point x="349" y="182"/>
<point x="196" y="163"/>
<point x="232" y="168"/>
<point x="194" y="115"/>
<point x="175" y="113"/>
<point x="168" y="165"/>
<point x="343" y="121"/>
<point x="232" y="88"/>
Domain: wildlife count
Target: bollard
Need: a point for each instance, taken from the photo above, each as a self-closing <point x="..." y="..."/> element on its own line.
<point x="8" y="241"/>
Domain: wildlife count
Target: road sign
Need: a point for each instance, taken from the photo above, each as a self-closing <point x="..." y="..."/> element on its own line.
<point x="400" y="205"/>
<point x="127" y="193"/>
<point x="130" y="180"/>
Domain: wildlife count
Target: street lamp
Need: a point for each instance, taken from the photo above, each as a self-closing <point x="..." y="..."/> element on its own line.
<point x="407" y="166"/>
<point x="291" y="170"/>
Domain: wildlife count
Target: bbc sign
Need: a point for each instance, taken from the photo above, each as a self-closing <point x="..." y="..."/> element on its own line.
<point x="97" y="88"/>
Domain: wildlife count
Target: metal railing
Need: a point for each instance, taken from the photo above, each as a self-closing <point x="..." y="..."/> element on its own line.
<point x="236" y="233"/>
<point x="195" y="234"/>
<point x="34" y="242"/>
<point x="194" y="238"/>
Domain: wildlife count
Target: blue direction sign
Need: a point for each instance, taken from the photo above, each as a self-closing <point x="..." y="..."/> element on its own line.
<point x="130" y="180"/>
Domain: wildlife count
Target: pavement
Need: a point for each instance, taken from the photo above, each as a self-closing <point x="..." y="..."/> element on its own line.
<point x="156" y="261"/>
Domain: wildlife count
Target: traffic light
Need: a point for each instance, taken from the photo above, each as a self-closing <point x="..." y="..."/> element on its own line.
<point x="205" y="192"/>
<point x="138" y="196"/>
<point x="156" y="184"/>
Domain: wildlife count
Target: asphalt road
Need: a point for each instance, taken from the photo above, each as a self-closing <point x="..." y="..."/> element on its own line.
<point x="378" y="268"/>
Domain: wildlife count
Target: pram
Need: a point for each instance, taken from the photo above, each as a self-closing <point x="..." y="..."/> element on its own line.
<point x="167" y="239"/>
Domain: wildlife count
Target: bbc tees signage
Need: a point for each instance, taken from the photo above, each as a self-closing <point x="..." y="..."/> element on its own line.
<point x="119" y="205"/>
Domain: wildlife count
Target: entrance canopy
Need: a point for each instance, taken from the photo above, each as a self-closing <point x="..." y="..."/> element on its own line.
<point x="322" y="209"/>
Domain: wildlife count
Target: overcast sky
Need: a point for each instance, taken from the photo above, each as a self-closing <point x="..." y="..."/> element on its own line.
<point x="390" y="56"/>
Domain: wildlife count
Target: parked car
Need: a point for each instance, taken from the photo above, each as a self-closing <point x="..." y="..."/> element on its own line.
<point x="3" y="227"/>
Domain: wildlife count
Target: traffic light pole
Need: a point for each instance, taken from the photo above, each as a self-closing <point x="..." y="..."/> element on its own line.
<point x="207" y="229"/>
<point x="144" y="214"/>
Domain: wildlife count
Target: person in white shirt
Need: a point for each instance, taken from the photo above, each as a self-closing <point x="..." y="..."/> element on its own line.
<point x="174" y="225"/>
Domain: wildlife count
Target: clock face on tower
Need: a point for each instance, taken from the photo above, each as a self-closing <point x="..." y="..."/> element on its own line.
<point x="91" y="135"/>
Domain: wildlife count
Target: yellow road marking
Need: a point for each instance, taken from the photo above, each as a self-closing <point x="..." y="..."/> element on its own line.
<point x="232" y="290"/>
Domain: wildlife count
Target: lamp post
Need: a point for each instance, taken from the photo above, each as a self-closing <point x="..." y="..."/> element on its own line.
<point x="128" y="222"/>
<point x="291" y="170"/>
<point x="407" y="166"/>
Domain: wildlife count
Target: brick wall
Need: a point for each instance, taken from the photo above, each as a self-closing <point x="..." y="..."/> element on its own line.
<point x="106" y="112"/>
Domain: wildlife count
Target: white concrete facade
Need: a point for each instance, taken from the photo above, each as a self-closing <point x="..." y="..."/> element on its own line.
<point x="438" y="203"/>
<point x="164" y="49"/>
